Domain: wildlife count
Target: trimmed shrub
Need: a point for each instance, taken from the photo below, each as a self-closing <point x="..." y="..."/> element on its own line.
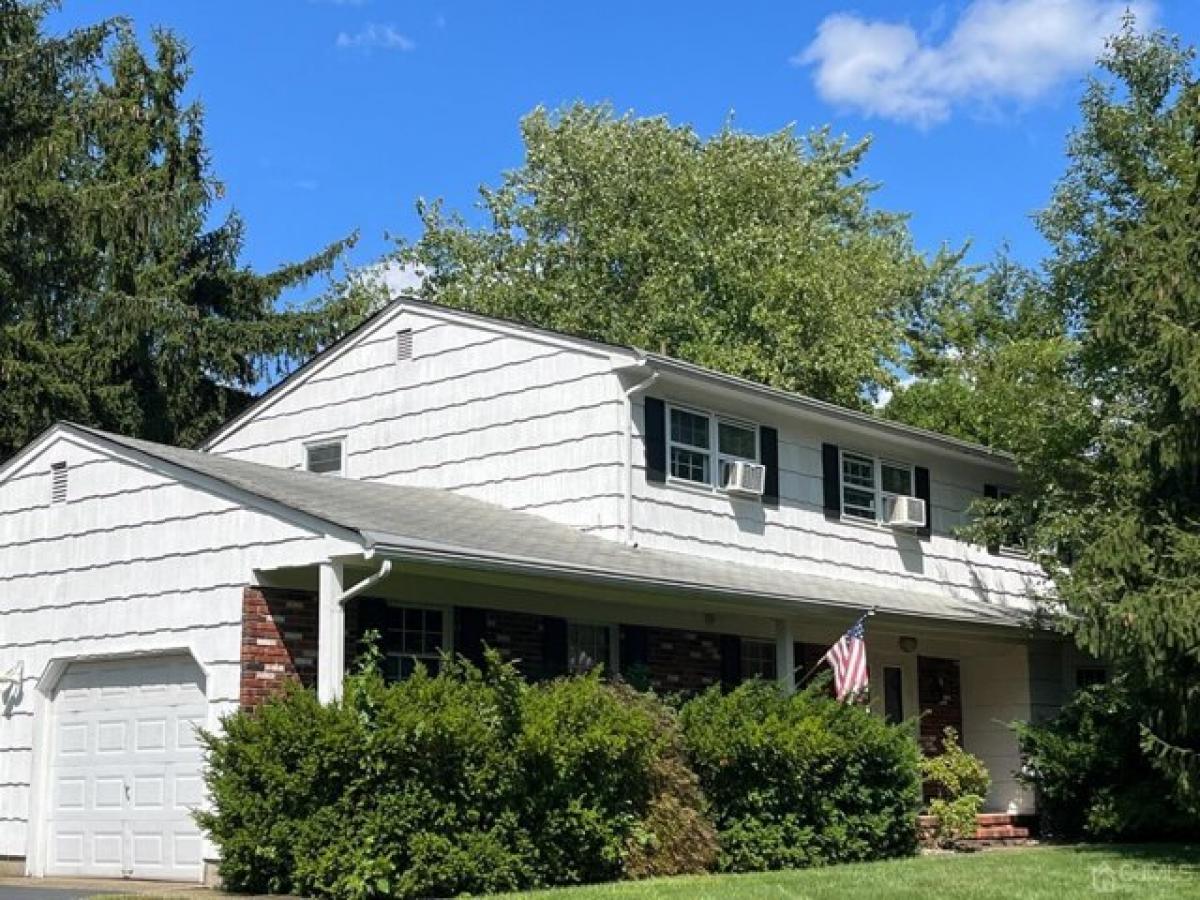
<point x="802" y="780"/>
<point x="961" y="782"/>
<point x="1091" y="777"/>
<point x="457" y="783"/>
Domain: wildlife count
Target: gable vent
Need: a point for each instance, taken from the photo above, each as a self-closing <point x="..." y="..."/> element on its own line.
<point x="404" y="345"/>
<point x="58" y="483"/>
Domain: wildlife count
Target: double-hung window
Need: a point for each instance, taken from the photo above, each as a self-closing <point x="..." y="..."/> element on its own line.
<point x="867" y="482"/>
<point x="410" y="636"/>
<point x="703" y="447"/>
<point x="758" y="659"/>
<point x="588" y="646"/>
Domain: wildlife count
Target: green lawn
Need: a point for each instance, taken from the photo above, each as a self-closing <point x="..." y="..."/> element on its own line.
<point x="1053" y="873"/>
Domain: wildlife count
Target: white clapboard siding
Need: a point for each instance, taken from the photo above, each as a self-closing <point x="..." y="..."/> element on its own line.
<point x="520" y="421"/>
<point x="134" y="561"/>
<point x="796" y="535"/>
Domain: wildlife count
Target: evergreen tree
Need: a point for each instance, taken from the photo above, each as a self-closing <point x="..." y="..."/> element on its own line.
<point x="119" y="305"/>
<point x="758" y="256"/>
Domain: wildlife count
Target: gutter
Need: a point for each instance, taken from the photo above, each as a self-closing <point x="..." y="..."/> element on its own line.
<point x="438" y="554"/>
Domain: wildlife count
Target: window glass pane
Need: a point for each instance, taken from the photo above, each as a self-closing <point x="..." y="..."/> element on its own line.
<point x="325" y="457"/>
<point x="689" y="428"/>
<point x="858" y="471"/>
<point x="689" y="465"/>
<point x="587" y="647"/>
<point x="896" y="479"/>
<point x="734" y="440"/>
<point x="758" y="660"/>
<point x="857" y="503"/>
<point x="411" y="635"/>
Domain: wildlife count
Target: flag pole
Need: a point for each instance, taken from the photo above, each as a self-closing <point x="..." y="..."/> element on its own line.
<point x="807" y="675"/>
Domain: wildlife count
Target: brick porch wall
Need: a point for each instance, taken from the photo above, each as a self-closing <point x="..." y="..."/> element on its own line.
<point x="279" y="641"/>
<point x="682" y="660"/>
<point x="519" y="639"/>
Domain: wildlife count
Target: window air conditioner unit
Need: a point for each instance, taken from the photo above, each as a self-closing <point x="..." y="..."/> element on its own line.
<point x="904" y="512"/>
<point x="745" y="478"/>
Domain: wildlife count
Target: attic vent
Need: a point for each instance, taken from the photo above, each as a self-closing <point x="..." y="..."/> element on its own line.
<point x="404" y="345"/>
<point x="58" y="483"/>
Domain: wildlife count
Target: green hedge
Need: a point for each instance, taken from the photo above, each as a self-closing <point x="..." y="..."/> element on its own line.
<point x="460" y="782"/>
<point x="1091" y="778"/>
<point x="475" y="782"/>
<point x="802" y="780"/>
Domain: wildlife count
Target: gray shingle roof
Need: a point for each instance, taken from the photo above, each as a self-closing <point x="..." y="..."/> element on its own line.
<point x="448" y="526"/>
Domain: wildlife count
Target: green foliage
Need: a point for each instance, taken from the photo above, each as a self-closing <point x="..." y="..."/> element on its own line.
<point x="758" y="256"/>
<point x="961" y="782"/>
<point x="459" y="782"/>
<point x="120" y="306"/>
<point x="802" y="780"/>
<point x="1090" y="774"/>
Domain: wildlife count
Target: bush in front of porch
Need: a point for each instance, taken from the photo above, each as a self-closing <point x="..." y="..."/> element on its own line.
<point x="802" y="780"/>
<point x="460" y="782"/>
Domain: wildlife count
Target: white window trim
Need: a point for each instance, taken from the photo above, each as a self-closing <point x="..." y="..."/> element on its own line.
<point x="339" y="439"/>
<point x="878" y="462"/>
<point x="715" y="419"/>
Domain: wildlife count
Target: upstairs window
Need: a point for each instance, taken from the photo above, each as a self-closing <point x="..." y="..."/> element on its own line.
<point x="1014" y="539"/>
<point x="694" y="436"/>
<point x="58" y="483"/>
<point x="324" y="457"/>
<point x="691" y="456"/>
<point x="867" y="482"/>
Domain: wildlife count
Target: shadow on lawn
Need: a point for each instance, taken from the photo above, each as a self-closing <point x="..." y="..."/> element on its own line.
<point x="1146" y="854"/>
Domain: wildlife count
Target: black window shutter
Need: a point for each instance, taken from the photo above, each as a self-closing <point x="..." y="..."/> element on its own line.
<point x="634" y="645"/>
<point x="554" y="646"/>
<point x="731" y="661"/>
<point x="768" y="452"/>
<point x="472" y="626"/>
<point x="921" y="486"/>
<point x="992" y="493"/>
<point x="831" y="467"/>
<point x="655" y="439"/>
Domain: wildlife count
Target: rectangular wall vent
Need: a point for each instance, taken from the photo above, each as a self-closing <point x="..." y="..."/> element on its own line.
<point x="58" y="483"/>
<point x="404" y="345"/>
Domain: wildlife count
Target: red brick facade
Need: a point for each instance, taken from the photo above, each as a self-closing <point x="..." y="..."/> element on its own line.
<point x="518" y="637"/>
<point x="279" y="641"/>
<point x="682" y="660"/>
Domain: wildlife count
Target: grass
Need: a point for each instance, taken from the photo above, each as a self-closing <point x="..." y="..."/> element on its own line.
<point x="1150" y="872"/>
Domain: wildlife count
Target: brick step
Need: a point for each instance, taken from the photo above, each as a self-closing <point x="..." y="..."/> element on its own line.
<point x="987" y="820"/>
<point x="1005" y="832"/>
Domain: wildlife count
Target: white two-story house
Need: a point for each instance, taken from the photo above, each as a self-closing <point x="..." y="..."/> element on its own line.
<point x="452" y="482"/>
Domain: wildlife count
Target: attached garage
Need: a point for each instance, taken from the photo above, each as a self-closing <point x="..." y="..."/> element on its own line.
<point x="124" y="769"/>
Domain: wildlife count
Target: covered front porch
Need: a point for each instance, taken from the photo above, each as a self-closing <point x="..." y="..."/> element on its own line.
<point x="306" y="624"/>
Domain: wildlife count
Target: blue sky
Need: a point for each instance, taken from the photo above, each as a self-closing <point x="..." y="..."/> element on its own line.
<point x="326" y="116"/>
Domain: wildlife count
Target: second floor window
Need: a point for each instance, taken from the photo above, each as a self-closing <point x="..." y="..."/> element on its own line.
<point x="867" y="481"/>
<point x="693" y="438"/>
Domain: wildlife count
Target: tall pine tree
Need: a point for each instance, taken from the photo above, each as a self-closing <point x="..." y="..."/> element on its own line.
<point x="120" y="304"/>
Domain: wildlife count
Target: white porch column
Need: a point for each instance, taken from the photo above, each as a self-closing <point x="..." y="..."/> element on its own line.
<point x="785" y="655"/>
<point x="331" y="632"/>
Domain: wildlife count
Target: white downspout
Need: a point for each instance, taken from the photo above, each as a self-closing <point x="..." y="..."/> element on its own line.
<point x="629" y="395"/>
<point x="331" y="624"/>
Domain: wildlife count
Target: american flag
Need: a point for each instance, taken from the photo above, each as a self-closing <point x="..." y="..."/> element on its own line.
<point x="848" y="657"/>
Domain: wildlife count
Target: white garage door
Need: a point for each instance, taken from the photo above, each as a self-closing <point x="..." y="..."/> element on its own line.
<point x="126" y="770"/>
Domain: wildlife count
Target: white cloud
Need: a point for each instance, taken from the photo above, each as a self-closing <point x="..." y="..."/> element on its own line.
<point x="375" y="37"/>
<point x="392" y="277"/>
<point x="997" y="50"/>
